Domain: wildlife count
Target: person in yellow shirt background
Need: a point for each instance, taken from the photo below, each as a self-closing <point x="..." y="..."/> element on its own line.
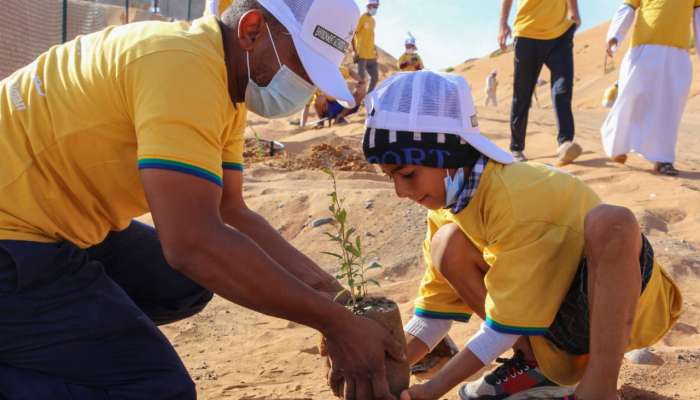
<point x="544" y="32"/>
<point x="150" y="117"/>
<point x="655" y="79"/>
<point x="410" y="60"/>
<point x="569" y="287"/>
<point x="329" y="108"/>
<point x="216" y="7"/>
<point x="364" y="48"/>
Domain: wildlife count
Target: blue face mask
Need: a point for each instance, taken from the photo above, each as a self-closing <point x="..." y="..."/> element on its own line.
<point x="286" y="93"/>
<point x="453" y="186"/>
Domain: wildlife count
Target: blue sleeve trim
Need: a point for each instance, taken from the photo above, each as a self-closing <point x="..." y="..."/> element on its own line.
<point x="233" y="166"/>
<point x="461" y="317"/>
<point x="514" y="330"/>
<point x="156" y="163"/>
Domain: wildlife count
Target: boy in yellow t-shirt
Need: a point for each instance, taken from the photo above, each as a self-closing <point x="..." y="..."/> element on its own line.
<point x="655" y="79"/>
<point x="516" y="244"/>
<point x="410" y="60"/>
<point x="544" y="32"/>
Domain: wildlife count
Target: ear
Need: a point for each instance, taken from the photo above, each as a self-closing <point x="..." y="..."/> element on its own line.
<point x="250" y="27"/>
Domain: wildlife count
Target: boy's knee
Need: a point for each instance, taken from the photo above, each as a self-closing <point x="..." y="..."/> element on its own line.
<point x="607" y="222"/>
<point x="450" y="249"/>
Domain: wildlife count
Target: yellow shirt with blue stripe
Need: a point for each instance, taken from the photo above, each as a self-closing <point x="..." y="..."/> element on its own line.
<point x="663" y="22"/>
<point x="527" y="220"/>
<point x="79" y="122"/>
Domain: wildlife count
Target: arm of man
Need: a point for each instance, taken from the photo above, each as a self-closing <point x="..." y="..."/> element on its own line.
<point x="236" y="213"/>
<point x="573" y="12"/>
<point x="504" y="31"/>
<point x="620" y="24"/>
<point x="198" y="243"/>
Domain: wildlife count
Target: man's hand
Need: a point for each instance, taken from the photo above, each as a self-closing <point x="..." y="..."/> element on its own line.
<point x="576" y="17"/>
<point x="357" y="350"/>
<point x="612" y="47"/>
<point x="503" y="35"/>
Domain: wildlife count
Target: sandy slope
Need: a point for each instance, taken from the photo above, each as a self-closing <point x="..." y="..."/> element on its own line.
<point x="234" y="353"/>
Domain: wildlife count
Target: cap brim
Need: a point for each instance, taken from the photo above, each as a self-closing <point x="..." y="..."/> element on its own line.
<point x="324" y="74"/>
<point x="488" y="148"/>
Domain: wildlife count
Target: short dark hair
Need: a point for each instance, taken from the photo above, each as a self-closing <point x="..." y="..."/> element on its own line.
<point x="233" y="14"/>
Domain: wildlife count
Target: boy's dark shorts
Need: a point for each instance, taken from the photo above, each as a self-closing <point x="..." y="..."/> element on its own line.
<point x="334" y="109"/>
<point x="570" y="330"/>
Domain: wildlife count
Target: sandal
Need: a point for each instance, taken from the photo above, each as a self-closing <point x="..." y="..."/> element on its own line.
<point x="665" y="168"/>
<point x="621" y="159"/>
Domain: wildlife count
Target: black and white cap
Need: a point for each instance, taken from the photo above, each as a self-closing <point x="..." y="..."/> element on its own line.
<point x="427" y="106"/>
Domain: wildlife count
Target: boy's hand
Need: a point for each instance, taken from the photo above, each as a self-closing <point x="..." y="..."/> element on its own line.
<point x="419" y="392"/>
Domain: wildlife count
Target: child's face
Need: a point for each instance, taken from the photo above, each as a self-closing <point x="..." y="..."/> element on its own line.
<point x="424" y="185"/>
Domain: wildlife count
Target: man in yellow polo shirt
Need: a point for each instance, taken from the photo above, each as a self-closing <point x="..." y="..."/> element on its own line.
<point x="150" y="117"/>
<point x="544" y="33"/>
<point x="365" y="51"/>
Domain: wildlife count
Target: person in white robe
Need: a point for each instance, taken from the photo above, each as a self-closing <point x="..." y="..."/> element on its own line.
<point x="655" y="78"/>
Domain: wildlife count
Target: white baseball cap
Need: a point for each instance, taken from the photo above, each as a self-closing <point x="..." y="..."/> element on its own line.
<point x="321" y="31"/>
<point x="372" y="2"/>
<point x="426" y="101"/>
<point x="410" y="40"/>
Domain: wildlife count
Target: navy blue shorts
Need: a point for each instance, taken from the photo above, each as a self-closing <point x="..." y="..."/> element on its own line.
<point x="81" y="323"/>
<point x="334" y="109"/>
<point x="570" y="330"/>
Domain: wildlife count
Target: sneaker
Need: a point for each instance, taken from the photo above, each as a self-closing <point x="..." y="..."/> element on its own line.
<point x="568" y="152"/>
<point x="518" y="155"/>
<point x="514" y="379"/>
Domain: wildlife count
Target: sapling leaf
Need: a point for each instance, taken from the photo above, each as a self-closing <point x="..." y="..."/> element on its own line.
<point x="352" y="250"/>
<point x="332" y="237"/>
<point x="375" y="265"/>
<point x="328" y="253"/>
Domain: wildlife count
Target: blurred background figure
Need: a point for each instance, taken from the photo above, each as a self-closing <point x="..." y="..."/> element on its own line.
<point x="491" y="89"/>
<point x="410" y="60"/>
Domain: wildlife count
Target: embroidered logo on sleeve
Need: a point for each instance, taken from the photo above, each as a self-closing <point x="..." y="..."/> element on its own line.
<point x="330" y="39"/>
